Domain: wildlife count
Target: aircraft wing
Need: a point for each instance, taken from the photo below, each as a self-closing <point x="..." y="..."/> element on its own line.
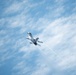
<point x="30" y="35"/>
<point x="40" y="41"/>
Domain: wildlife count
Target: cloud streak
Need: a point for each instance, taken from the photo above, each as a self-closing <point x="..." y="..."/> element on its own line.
<point x="54" y="27"/>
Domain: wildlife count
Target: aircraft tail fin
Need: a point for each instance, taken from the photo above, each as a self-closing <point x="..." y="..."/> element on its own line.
<point x="37" y="39"/>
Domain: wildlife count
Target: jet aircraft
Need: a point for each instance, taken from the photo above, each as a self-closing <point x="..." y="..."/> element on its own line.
<point x="33" y="40"/>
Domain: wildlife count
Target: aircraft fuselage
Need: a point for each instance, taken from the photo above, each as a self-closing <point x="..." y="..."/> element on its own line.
<point x="34" y="41"/>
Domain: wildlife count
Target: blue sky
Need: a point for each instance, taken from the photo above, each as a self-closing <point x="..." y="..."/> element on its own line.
<point x="53" y="21"/>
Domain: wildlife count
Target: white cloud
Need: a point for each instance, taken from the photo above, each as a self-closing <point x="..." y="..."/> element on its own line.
<point x="42" y="70"/>
<point x="15" y="7"/>
<point x="58" y="35"/>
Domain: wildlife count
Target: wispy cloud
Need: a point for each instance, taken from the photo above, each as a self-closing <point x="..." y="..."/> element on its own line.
<point x="51" y="24"/>
<point x="57" y="51"/>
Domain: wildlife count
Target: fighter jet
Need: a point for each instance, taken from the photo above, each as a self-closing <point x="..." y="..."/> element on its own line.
<point x="33" y="40"/>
